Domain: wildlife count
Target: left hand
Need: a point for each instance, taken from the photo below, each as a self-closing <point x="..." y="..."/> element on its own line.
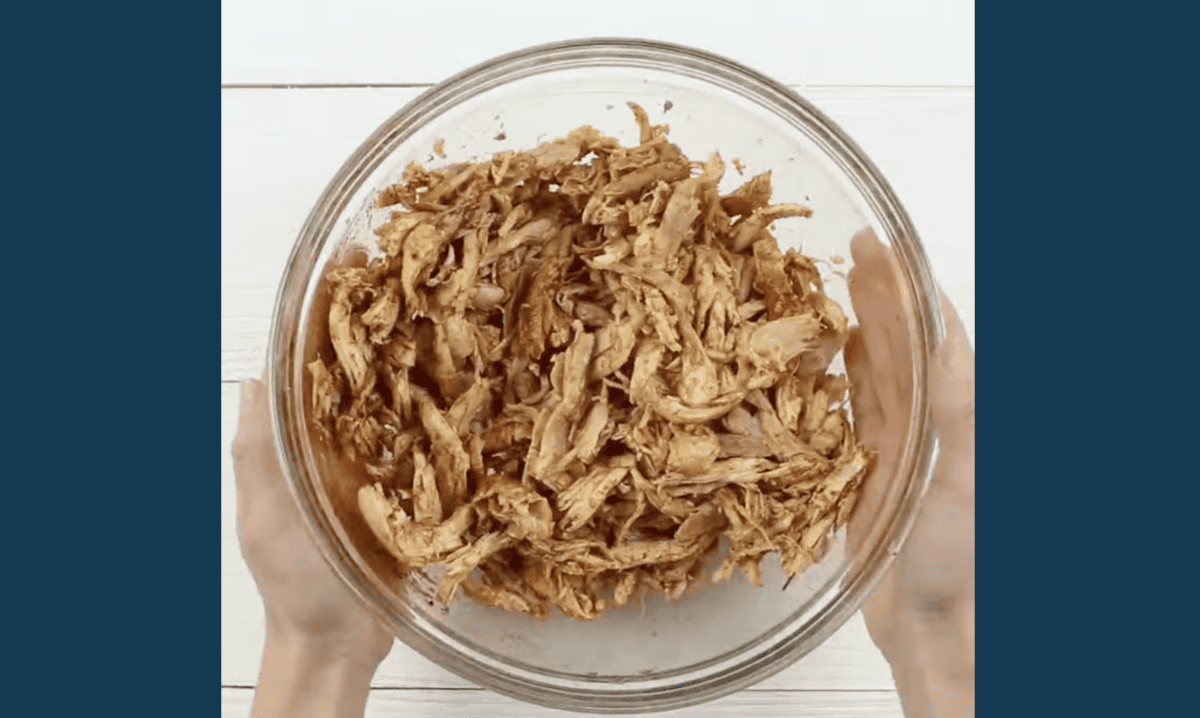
<point x="305" y="601"/>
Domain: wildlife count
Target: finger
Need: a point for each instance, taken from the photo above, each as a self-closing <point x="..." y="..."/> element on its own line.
<point x="868" y="423"/>
<point x="256" y="465"/>
<point x="253" y="412"/>
<point x="266" y="511"/>
<point x="879" y="303"/>
<point x="885" y="300"/>
<point x="953" y="380"/>
<point x="870" y="306"/>
<point x="249" y="388"/>
<point x="864" y="403"/>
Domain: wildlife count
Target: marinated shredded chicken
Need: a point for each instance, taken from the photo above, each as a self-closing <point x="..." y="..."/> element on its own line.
<point x="574" y="370"/>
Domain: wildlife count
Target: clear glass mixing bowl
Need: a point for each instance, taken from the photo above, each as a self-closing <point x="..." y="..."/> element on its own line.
<point x="652" y="654"/>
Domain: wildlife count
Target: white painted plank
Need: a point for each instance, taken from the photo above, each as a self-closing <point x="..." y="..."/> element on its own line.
<point x="280" y="147"/>
<point x="807" y="42"/>
<point x="235" y="703"/>
<point x="847" y="661"/>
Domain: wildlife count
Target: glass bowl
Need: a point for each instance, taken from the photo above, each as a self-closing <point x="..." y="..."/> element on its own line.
<point x="652" y="654"/>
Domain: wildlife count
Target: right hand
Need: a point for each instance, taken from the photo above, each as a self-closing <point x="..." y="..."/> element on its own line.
<point x="922" y="615"/>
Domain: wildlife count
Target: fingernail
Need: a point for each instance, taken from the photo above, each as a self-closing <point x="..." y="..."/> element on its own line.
<point x="865" y="237"/>
<point x="862" y="245"/>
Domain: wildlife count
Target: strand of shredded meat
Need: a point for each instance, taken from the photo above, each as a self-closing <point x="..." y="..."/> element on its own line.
<point x="573" y="370"/>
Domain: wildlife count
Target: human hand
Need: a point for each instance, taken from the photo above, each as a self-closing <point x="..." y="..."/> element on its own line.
<point x="922" y="615"/>
<point x="323" y="646"/>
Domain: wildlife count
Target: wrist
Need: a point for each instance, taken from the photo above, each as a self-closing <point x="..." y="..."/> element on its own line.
<point x="932" y="657"/>
<point x="304" y="675"/>
<point x="362" y="644"/>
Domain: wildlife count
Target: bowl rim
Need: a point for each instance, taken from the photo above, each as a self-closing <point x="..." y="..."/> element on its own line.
<point x="285" y="398"/>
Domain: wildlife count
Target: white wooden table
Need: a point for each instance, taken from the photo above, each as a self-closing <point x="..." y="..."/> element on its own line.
<point x="304" y="82"/>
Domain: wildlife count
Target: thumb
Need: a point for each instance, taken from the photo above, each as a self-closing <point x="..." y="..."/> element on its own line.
<point x="252" y="389"/>
<point x="254" y="457"/>
<point x="952" y="385"/>
<point x="953" y="380"/>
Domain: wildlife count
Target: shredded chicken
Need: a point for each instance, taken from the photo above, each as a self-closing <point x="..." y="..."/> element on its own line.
<point x="573" y="370"/>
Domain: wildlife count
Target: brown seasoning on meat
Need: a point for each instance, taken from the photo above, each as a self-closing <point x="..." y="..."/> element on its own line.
<point x="574" y="376"/>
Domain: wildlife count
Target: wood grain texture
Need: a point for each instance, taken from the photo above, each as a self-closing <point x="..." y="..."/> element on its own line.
<point x="235" y="703"/>
<point x="280" y="147"/>
<point x="809" y="42"/>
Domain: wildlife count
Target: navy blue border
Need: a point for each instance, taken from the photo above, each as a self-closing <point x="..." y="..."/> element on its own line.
<point x="1087" y="500"/>
<point x="111" y="334"/>
<point x="1085" y="194"/>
